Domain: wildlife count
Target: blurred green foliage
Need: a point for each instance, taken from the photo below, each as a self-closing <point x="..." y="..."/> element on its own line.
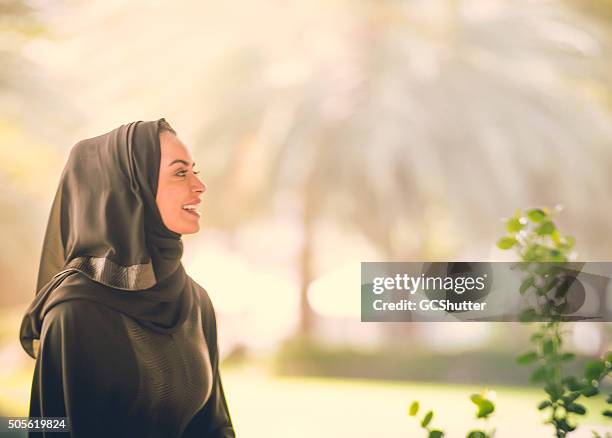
<point x="488" y="366"/>
<point x="484" y="409"/>
<point x="536" y="238"/>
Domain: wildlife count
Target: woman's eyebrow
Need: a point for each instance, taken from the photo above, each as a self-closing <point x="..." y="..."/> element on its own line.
<point x="186" y="163"/>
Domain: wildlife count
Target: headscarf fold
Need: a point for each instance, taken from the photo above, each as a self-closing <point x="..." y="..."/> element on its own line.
<point x="105" y="224"/>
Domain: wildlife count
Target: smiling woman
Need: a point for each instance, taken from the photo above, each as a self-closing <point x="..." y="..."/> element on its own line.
<point x="125" y="341"/>
<point x="179" y="190"/>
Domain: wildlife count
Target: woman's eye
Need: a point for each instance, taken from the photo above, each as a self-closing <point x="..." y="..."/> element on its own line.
<point x="183" y="172"/>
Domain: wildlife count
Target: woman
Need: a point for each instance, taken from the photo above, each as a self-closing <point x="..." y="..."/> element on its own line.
<point x="125" y="341"/>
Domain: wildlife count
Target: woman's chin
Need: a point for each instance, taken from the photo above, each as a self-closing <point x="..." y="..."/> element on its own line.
<point x="191" y="228"/>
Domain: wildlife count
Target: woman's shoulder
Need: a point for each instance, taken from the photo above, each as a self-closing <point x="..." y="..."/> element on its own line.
<point x="70" y="303"/>
<point x="87" y="333"/>
<point x="76" y="309"/>
<point x="201" y="295"/>
<point x="86" y="318"/>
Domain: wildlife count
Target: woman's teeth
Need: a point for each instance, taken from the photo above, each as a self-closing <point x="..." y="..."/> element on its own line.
<point x="192" y="209"/>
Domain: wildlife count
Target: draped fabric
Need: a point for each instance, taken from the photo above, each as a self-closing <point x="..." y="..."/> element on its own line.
<point x="125" y="341"/>
<point x="105" y="224"/>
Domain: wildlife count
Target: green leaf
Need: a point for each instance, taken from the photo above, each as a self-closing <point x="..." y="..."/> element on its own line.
<point x="593" y="370"/>
<point x="436" y="434"/>
<point x="563" y="425"/>
<point x="572" y="383"/>
<point x="476" y="399"/>
<point x="554" y="391"/>
<point x="548" y="347"/>
<point x="514" y="225"/>
<point x="568" y="399"/>
<point x="536" y="214"/>
<point x="427" y="419"/>
<point x="544" y="405"/>
<point x="506" y="242"/>
<point x="485" y="409"/>
<point x="609" y="399"/>
<point x="555" y="255"/>
<point x="526" y="284"/>
<point x="476" y="434"/>
<point x="529" y="315"/>
<point x="545" y="228"/>
<point x="567" y="356"/>
<point x="527" y="358"/>
<point x="576" y="408"/>
<point x="607" y="413"/>
<point x="590" y="391"/>
<point x="538" y="375"/>
<point x="414" y="409"/>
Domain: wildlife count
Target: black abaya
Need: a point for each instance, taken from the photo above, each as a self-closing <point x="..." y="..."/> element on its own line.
<point x="115" y="378"/>
<point x="125" y="341"/>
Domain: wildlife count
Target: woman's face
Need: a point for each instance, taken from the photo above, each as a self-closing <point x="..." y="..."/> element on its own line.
<point x="179" y="189"/>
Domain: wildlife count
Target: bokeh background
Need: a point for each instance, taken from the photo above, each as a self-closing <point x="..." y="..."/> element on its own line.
<point x="329" y="133"/>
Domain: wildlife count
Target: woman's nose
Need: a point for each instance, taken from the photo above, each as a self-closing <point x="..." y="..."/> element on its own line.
<point x="199" y="186"/>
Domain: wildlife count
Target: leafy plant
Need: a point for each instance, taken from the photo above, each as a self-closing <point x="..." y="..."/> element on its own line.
<point x="425" y="421"/>
<point x="536" y="238"/>
<point x="544" y="254"/>
<point x="484" y="409"/>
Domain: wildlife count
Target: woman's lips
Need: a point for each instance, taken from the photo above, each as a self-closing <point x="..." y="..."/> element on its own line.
<point x="191" y="207"/>
<point x="194" y="213"/>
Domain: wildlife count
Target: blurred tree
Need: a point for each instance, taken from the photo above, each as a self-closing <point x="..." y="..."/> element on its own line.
<point x="17" y="271"/>
<point x="32" y="112"/>
<point x="412" y="123"/>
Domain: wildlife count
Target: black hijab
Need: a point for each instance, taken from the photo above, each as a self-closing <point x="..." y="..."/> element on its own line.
<point x="105" y="225"/>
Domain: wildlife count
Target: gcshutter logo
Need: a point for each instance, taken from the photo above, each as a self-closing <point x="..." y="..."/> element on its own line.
<point x="480" y="291"/>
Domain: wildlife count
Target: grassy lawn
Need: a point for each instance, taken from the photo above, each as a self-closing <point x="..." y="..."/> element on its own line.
<point x="264" y="405"/>
<point x="268" y="406"/>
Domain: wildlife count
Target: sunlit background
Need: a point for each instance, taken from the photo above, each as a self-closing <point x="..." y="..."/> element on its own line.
<point x="329" y="133"/>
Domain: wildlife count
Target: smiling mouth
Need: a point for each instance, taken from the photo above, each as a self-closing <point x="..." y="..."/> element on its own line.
<point x="192" y="210"/>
